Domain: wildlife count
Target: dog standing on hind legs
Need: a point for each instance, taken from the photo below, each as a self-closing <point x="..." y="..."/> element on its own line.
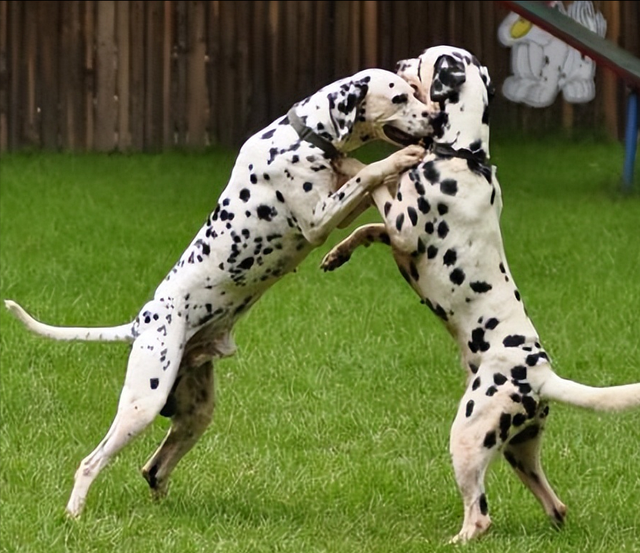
<point x="443" y="225"/>
<point x="286" y="193"/>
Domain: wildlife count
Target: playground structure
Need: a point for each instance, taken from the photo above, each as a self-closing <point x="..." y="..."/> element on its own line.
<point x="603" y="52"/>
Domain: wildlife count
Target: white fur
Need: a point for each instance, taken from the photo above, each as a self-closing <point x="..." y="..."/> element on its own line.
<point x="283" y="199"/>
<point x="443" y="225"/>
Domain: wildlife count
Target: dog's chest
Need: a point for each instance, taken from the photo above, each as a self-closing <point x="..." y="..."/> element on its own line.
<point x="456" y="262"/>
<point x="253" y="236"/>
<point x="448" y="220"/>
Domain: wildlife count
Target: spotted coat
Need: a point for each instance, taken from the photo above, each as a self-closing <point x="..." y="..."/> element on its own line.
<point x="443" y="224"/>
<point x="286" y="193"/>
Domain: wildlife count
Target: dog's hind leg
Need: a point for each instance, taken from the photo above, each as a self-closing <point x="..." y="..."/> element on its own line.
<point x="475" y="441"/>
<point x="194" y="398"/>
<point x="523" y="454"/>
<point x="151" y="371"/>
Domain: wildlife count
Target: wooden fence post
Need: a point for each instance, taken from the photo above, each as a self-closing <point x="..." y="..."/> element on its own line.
<point x="106" y="113"/>
<point x="123" y="38"/>
<point x="196" y="82"/>
<point x="4" y="86"/>
<point x="611" y="12"/>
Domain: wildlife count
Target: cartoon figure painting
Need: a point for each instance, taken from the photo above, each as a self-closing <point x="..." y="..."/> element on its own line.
<point x="542" y="64"/>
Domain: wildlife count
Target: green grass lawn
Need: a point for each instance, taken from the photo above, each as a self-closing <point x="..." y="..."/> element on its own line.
<point x="331" y="431"/>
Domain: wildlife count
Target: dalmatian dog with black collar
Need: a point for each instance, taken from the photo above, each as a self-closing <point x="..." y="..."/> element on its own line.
<point x="286" y="193"/>
<point x="443" y="225"/>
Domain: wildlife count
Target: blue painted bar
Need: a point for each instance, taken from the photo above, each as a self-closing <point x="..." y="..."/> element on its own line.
<point x="631" y="140"/>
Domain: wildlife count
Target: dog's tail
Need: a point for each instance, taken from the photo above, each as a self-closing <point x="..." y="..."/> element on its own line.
<point x="122" y="333"/>
<point x="609" y="398"/>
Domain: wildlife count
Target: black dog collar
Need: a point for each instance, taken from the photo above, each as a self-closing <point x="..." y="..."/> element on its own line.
<point x="445" y="150"/>
<point x="305" y="133"/>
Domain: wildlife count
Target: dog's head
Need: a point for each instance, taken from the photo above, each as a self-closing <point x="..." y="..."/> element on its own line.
<point x="458" y="88"/>
<point x="372" y="104"/>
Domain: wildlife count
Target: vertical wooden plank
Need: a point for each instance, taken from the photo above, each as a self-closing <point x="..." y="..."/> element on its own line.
<point x="274" y="44"/>
<point x="31" y="117"/>
<point x="70" y="81"/>
<point x="123" y="38"/>
<point x="158" y="79"/>
<point x="229" y="75"/>
<point x="288" y="72"/>
<point x="65" y="72"/>
<point x="567" y="114"/>
<point x="462" y="26"/>
<point x="611" y="12"/>
<point x="48" y="25"/>
<point x="354" y="38"/>
<point x="401" y="21"/>
<point x="167" y="72"/>
<point x="151" y="28"/>
<point x="419" y="39"/>
<point x="306" y="23"/>
<point x="438" y="17"/>
<point x="106" y="109"/>
<point x="90" y="73"/>
<point x="504" y="113"/>
<point x="213" y="70"/>
<point x="258" y="45"/>
<point x="15" y="24"/>
<point x="630" y="15"/>
<point x="4" y="78"/>
<point x="473" y="28"/>
<point x="181" y="73"/>
<point x="489" y="40"/>
<point x="136" y="79"/>
<point x="153" y="75"/>
<point x="341" y="39"/>
<point x="323" y="57"/>
<point x="196" y="90"/>
<point x="452" y="10"/>
<point x="385" y="22"/>
<point x="242" y="20"/>
<point x="370" y="34"/>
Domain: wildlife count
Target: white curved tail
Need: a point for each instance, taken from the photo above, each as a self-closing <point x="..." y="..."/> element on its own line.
<point x="121" y="333"/>
<point x="610" y="398"/>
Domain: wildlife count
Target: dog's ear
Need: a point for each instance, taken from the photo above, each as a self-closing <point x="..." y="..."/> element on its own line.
<point x="486" y="79"/>
<point x="344" y="106"/>
<point x="409" y="70"/>
<point x="403" y="65"/>
<point x="448" y="76"/>
<point x="488" y="83"/>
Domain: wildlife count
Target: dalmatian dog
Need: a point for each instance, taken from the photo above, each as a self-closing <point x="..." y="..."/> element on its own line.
<point x="288" y="189"/>
<point x="443" y="226"/>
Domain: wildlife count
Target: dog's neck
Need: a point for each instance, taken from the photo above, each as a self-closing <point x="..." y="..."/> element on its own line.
<point x="462" y="129"/>
<point x="322" y="133"/>
<point x="310" y="135"/>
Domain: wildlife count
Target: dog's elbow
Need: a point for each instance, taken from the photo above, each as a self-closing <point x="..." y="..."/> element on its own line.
<point x="314" y="234"/>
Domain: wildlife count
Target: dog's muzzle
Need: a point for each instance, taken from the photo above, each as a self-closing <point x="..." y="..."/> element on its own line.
<point x="402" y="138"/>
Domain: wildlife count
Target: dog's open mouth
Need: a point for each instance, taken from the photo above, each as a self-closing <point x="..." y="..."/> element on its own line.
<point x="400" y="137"/>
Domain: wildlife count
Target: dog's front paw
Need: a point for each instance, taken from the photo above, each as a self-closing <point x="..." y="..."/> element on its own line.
<point x="409" y="156"/>
<point x="334" y="259"/>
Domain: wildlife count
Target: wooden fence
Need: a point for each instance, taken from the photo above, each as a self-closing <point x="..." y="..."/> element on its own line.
<point x="152" y="75"/>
